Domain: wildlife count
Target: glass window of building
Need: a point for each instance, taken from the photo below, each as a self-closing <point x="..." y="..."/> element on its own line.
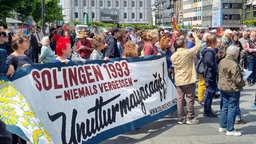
<point x="84" y="2"/>
<point x="125" y="3"/>
<point x="76" y="14"/>
<point x="109" y="3"/>
<point x="101" y="3"/>
<point x="93" y="3"/>
<point x="225" y="17"/>
<point x="141" y="3"/>
<point x="141" y="15"/>
<point x="133" y="3"/>
<point x="76" y="2"/>
<point x="93" y="15"/>
<point x="125" y="15"/>
<point x="117" y="3"/>
<point x="84" y="14"/>
<point x="133" y="15"/>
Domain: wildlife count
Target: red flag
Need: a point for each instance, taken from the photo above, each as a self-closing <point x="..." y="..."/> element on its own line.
<point x="219" y="31"/>
<point x="174" y="24"/>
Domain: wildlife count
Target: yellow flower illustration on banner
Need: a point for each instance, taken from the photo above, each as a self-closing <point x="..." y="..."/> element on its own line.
<point x="15" y="110"/>
<point x="9" y="115"/>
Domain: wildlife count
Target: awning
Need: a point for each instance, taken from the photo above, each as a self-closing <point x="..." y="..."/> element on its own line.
<point x="10" y="20"/>
<point x="249" y="2"/>
<point x="254" y="2"/>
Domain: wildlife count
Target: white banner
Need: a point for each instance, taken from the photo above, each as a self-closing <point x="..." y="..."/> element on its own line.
<point x="92" y="102"/>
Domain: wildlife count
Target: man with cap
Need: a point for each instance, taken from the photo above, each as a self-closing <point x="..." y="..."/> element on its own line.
<point x="112" y="49"/>
<point x="84" y="46"/>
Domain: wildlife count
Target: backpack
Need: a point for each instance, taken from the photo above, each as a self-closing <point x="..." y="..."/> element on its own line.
<point x="200" y="65"/>
<point x="3" y="66"/>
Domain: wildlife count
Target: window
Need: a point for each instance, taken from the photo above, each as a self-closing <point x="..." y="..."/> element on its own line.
<point x="76" y="2"/>
<point x="141" y="16"/>
<point x="125" y="3"/>
<point x="141" y="3"/>
<point x="117" y="3"/>
<point x="225" y="17"/>
<point x="84" y="14"/>
<point x="133" y="3"/>
<point x="101" y="3"/>
<point x="109" y="3"/>
<point x="93" y="3"/>
<point x="125" y="15"/>
<point x="133" y="15"/>
<point x="76" y="15"/>
<point x="236" y="6"/>
<point x="93" y="15"/>
<point x="84" y="2"/>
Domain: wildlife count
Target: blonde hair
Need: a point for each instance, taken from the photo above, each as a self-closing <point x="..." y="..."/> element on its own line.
<point x="163" y="41"/>
<point x="130" y="49"/>
<point x="97" y="41"/>
<point x="151" y="35"/>
<point x="45" y="41"/>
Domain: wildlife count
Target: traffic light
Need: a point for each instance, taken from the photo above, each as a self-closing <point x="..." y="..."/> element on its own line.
<point x="180" y="16"/>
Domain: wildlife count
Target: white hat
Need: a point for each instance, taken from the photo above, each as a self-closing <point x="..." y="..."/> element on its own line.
<point x="213" y="31"/>
<point x="228" y="31"/>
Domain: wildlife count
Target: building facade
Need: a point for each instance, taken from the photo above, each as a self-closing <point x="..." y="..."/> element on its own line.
<point x="122" y="11"/>
<point x="213" y="13"/>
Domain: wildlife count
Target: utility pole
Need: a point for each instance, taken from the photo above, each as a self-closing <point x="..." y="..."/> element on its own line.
<point x="43" y="17"/>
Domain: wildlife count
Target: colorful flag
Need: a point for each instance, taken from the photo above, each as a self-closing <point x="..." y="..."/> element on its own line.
<point x="174" y="24"/>
<point x="219" y="31"/>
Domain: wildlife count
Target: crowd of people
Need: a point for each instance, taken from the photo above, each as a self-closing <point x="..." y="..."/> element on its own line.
<point x="225" y="56"/>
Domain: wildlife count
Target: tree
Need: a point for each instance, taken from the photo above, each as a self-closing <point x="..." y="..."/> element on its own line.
<point x="25" y="9"/>
<point x="6" y="6"/>
<point x="52" y="11"/>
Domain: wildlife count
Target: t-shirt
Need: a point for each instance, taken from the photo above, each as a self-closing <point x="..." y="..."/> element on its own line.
<point x="85" y="53"/>
<point x="18" y="61"/>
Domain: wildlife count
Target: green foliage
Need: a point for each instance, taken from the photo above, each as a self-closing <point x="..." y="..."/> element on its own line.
<point x="6" y="6"/>
<point x="25" y="9"/>
<point x="250" y="22"/>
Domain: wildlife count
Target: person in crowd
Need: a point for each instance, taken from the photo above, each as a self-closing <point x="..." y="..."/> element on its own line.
<point x="210" y="74"/>
<point x="94" y="30"/>
<point x="84" y="45"/>
<point x="63" y="50"/>
<point x="5" y="45"/>
<point x="98" y="43"/>
<point x="34" y="50"/>
<point x="250" y="47"/>
<point x="130" y="50"/>
<point x="226" y="38"/>
<point x="39" y="36"/>
<point x="149" y="47"/>
<point x="191" y="41"/>
<point x="201" y="83"/>
<point x="54" y="37"/>
<point x="243" y="56"/>
<point x="230" y="84"/>
<point x="141" y="40"/>
<point x="121" y="41"/>
<point x="112" y="50"/>
<point x="236" y="42"/>
<point x="175" y="35"/>
<point x="18" y="58"/>
<point x="165" y="48"/>
<point x="133" y="35"/>
<point x="185" y="78"/>
<point x="47" y="55"/>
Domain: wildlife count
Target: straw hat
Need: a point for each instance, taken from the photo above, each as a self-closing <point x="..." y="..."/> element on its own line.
<point x="82" y="34"/>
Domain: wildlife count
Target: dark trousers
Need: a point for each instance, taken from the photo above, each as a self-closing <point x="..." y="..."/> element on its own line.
<point x="209" y="94"/>
<point x="5" y="136"/>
